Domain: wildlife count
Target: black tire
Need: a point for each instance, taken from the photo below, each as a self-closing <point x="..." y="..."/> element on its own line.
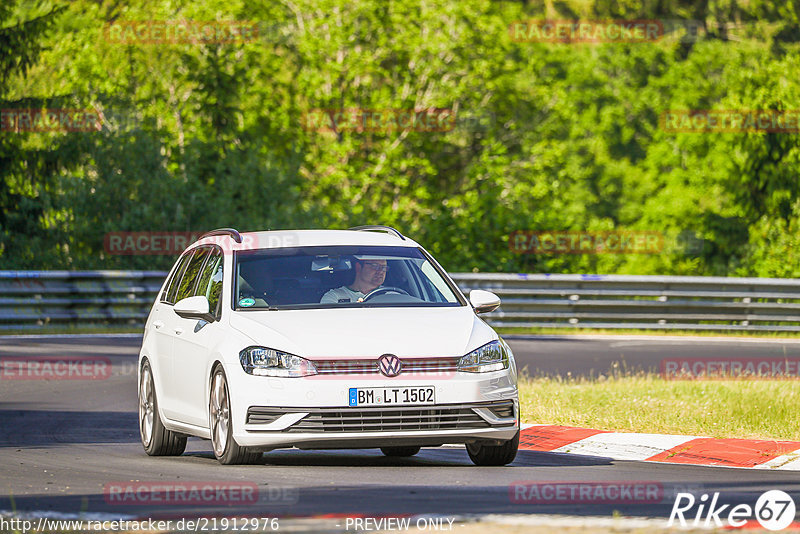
<point x="225" y="448"/>
<point x="156" y="439"/>
<point x="487" y="455"/>
<point x="400" y="452"/>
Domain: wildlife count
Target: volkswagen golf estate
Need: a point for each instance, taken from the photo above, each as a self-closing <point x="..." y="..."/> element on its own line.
<point x="322" y="339"/>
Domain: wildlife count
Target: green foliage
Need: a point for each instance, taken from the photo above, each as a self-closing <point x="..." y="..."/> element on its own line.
<point x="547" y="136"/>
<point x="28" y="209"/>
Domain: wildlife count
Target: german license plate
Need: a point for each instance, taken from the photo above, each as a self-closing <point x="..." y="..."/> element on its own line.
<point x="390" y="396"/>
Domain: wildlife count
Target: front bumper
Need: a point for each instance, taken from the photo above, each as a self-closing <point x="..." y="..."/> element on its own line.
<point x="313" y="412"/>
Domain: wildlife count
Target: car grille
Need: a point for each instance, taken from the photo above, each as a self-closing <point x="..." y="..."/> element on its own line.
<point x="400" y="419"/>
<point x="410" y="365"/>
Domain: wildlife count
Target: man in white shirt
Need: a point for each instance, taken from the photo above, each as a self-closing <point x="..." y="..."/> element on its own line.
<point x="370" y="274"/>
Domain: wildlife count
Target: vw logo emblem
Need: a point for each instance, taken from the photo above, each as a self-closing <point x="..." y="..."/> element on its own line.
<point x="390" y="365"/>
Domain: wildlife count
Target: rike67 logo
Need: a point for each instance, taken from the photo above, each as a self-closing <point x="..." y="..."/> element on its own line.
<point x="774" y="510"/>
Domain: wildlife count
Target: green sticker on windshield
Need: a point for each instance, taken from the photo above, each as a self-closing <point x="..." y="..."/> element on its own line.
<point x="247" y="302"/>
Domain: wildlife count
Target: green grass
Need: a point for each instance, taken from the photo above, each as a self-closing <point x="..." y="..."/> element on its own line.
<point x="571" y="331"/>
<point x="760" y="409"/>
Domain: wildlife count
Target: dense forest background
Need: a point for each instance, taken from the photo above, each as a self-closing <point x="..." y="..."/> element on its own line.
<point x="548" y="136"/>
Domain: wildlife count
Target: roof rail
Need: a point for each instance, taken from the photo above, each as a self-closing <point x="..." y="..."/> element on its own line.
<point x="379" y="227"/>
<point x="224" y="231"/>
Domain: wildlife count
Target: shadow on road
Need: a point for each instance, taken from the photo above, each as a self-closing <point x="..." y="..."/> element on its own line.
<point x="47" y="428"/>
<point x="378" y="500"/>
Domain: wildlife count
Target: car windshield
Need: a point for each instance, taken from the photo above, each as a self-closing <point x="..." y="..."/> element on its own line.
<point x="339" y="276"/>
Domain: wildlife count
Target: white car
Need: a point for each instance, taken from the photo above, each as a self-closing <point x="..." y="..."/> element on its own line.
<point x="323" y="339"/>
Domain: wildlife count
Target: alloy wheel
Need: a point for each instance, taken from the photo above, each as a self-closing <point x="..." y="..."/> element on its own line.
<point x="146" y="407"/>
<point x="220" y="414"/>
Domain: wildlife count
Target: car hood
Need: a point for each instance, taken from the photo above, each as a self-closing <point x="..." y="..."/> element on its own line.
<point x="366" y="332"/>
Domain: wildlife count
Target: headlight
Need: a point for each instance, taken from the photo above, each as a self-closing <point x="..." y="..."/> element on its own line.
<point x="261" y="361"/>
<point x="490" y="357"/>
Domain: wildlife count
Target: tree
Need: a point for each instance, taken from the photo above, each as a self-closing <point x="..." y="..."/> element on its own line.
<point x="24" y="168"/>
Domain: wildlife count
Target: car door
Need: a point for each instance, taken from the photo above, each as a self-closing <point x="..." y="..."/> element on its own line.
<point x="194" y="341"/>
<point x="161" y="360"/>
<point x="174" y="327"/>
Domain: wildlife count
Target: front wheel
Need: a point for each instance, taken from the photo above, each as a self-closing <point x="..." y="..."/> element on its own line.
<point x="486" y="455"/>
<point x="156" y="439"/>
<point x="227" y="451"/>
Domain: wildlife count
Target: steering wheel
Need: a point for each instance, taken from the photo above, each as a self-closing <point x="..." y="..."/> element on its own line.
<point x="382" y="290"/>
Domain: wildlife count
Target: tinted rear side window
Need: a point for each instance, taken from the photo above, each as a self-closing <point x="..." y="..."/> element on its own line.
<point x="189" y="278"/>
<point x="172" y="286"/>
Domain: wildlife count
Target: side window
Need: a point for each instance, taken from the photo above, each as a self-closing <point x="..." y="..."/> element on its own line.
<point x="187" y="283"/>
<point x="172" y="287"/>
<point x="210" y="283"/>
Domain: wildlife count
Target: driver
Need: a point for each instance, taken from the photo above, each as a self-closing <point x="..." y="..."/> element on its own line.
<point x="370" y="274"/>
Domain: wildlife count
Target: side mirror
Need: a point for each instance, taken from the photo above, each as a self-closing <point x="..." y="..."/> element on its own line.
<point x="484" y="301"/>
<point x="194" y="308"/>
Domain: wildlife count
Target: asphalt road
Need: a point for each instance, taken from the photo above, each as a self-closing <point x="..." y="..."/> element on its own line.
<point x="64" y="443"/>
<point x="592" y="356"/>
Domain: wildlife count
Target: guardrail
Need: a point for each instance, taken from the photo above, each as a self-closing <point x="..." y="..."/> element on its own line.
<point x="641" y="302"/>
<point x="41" y="300"/>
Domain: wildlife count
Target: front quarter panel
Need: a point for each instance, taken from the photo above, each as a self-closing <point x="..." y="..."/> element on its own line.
<point x="482" y="334"/>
